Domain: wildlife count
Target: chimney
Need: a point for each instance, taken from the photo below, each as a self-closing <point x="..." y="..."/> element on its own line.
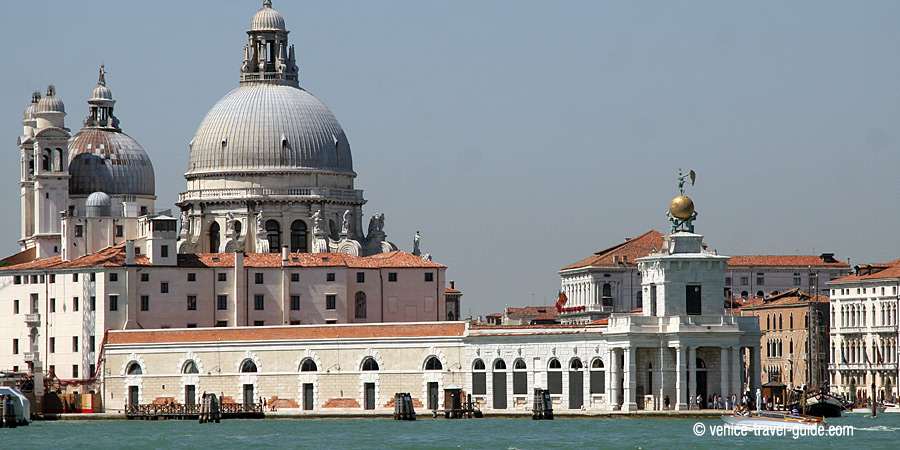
<point x="452" y="283"/>
<point x="285" y="256"/>
<point x="129" y="252"/>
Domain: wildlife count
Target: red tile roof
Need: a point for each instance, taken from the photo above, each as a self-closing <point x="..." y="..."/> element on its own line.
<point x="115" y="257"/>
<point x="286" y="333"/>
<point x="532" y="311"/>
<point x="450" y="290"/>
<point x="24" y="256"/>
<point x="889" y="270"/>
<point x="631" y="249"/>
<point x="783" y="260"/>
<point x="793" y="297"/>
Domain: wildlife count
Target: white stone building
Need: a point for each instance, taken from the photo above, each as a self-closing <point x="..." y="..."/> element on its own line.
<point x="864" y="332"/>
<point x="610" y="280"/>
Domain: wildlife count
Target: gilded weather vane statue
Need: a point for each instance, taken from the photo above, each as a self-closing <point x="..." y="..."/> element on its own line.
<point x="681" y="210"/>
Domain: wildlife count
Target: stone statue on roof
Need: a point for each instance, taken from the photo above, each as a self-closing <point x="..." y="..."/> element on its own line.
<point x="345" y="223"/>
<point x="681" y="210"/>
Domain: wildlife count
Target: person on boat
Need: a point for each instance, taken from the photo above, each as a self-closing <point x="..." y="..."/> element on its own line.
<point x="795" y="412"/>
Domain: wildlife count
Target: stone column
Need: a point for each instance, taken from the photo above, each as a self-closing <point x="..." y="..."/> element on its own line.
<point x="612" y="385"/>
<point x="692" y="373"/>
<point x="628" y="400"/>
<point x="661" y="379"/>
<point x="724" y="370"/>
<point x="737" y="381"/>
<point x="681" y="403"/>
<point x="755" y="381"/>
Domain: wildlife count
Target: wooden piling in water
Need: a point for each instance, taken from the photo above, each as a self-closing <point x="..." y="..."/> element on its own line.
<point x="403" y="407"/>
<point x="543" y="405"/>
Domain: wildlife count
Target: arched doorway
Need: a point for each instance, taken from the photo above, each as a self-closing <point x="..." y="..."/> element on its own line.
<point x="273" y="234"/>
<point x="701" y="380"/>
<point x="576" y="384"/>
<point x="298" y="237"/>
<point x="214" y="237"/>
<point x="499" y="384"/>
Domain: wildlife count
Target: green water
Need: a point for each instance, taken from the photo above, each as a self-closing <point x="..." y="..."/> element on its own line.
<point x="882" y="432"/>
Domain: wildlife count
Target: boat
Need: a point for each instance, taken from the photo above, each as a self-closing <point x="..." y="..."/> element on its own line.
<point x="867" y="409"/>
<point x="774" y="419"/>
<point x="20" y="405"/>
<point x="823" y="405"/>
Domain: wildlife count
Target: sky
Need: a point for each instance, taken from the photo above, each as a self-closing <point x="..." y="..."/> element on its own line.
<point x="521" y="136"/>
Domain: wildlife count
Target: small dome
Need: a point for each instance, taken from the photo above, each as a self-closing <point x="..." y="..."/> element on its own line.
<point x="50" y="103"/>
<point x="267" y="19"/>
<point x="98" y="199"/>
<point x="108" y="161"/>
<point x="98" y="204"/>
<point x="101" y="93"/>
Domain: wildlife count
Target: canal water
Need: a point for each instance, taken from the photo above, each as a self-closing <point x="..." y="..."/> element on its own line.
<point x="882" y="432"/>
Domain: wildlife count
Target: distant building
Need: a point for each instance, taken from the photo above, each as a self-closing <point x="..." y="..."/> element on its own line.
<point x="864" y="332"/>
<point x="529" y="315"/>
<point x="451" y="299"/>
<point x="609" y="280"/>
<point x="789" y="335"/>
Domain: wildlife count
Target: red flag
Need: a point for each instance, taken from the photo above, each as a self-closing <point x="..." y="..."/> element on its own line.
<point x="561" y="301"/>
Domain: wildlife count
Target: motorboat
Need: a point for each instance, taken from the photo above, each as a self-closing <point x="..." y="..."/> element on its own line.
<point x="867" y="409"/>
<point x="18" y="402"/>
<point x="822" y="404"/>
<point x="774" y="419"/>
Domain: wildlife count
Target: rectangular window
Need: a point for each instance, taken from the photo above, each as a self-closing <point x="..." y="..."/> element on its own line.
<point x="52" y="278"/>
<point x="191" y="325"/>
<point x="223" y="276"/>
<point x="145" y="303"/>
<point x="145" y="277"/>
<point x="360" y="277"/>
<point x="554" y="382"/>
<point x="330" y="321"/>
<point x="113" y="302"/>
<point x="796" y="281"/>
<point x="392" y="276"/>
<point x="17" y="279"/>
<point x="52" y="345"/>
<point x="520" y="382"/>
<point x="52" y="305"/>
<point x="330" y="301"/>
<point x="295" y="303"/>
<point x="75" y="374"/>
<point x="479" y="383"/>
<point x="75" y="344"/>
<point x="259" y="323"/>
<point x="221" y="323"/>
<point x="164" y="251"/>
<point x="91" y="369"/>
<point x="727" y="281"/>
<point x="329" y="276"/>
<point x="222" y="302"/>
<point x="295" y="322"/>
<point x="15" y="306"/>
<point x="15" y="346"/>
<point x="93" y="276"/>
<point x="259" y="278"/>
<point x="692" y="295"/>
<point x="164" y="287"/>
<point x="295" y="277"/>
<point x="75" y="303"/>
<point x="113" y="276"/>
<point x="120" y="231"/>
<point x="429" y="276"/>
<point x="92" y="341"/>
<point x="93" y="303"/>
<point x="192" y="302"/>
<point x="598" y="382"/>
<point x="259" y="302"/>
<point x="79" y="230"/>
<point x="75" y="277"/>
<point x="192" y="277"/>
<point x="745" y="281"/>
<point x="760" y="281"/>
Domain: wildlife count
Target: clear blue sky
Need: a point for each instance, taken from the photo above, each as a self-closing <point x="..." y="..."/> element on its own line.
<point x="522" y="136"/>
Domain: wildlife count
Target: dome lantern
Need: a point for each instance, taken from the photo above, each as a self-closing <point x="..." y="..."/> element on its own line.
<point x="267" y="56"/>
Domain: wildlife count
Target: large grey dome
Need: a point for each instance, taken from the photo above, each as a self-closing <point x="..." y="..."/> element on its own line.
<point x="108" y="161"/>
<point x="264" y="126"/>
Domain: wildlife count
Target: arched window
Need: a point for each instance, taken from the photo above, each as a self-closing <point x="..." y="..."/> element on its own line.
<point x="248" y="366"/>
<point x="499" y="364"/>
<point x="273" y="234"/>
<point x="780" y="321"/>
<point x="59" y="159"/>
<point x="554" y="376"/>
<point x="479" y="378"/>
<point x="432" y="363"/>
<point x="791" y="321"/>
<point x="760" y="294"/>
<point x="607" y="290"/>
<point x="335" y="233"/>
<point x="369" y="364"/>
<point x="520" y="377"/>
<point x="308" y="365"/>
<point x="768" y="322"/>
<point x="701" y="364"/>
<point x="744" y="295"/>
<point x="45" y="162"/>
<point x="360" y="305"/>
<point x="576" y="364"/>
<point x="298" y="237"/>
<point x="237" y="227"/>
<point x="214" y="237"/>
<point x="190" y="367"/>
<point x="598" y="377"/>
<point x="134" y="369"/>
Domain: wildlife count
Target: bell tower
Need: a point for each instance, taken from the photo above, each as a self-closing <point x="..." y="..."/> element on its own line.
<point x="44" y="180"/>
